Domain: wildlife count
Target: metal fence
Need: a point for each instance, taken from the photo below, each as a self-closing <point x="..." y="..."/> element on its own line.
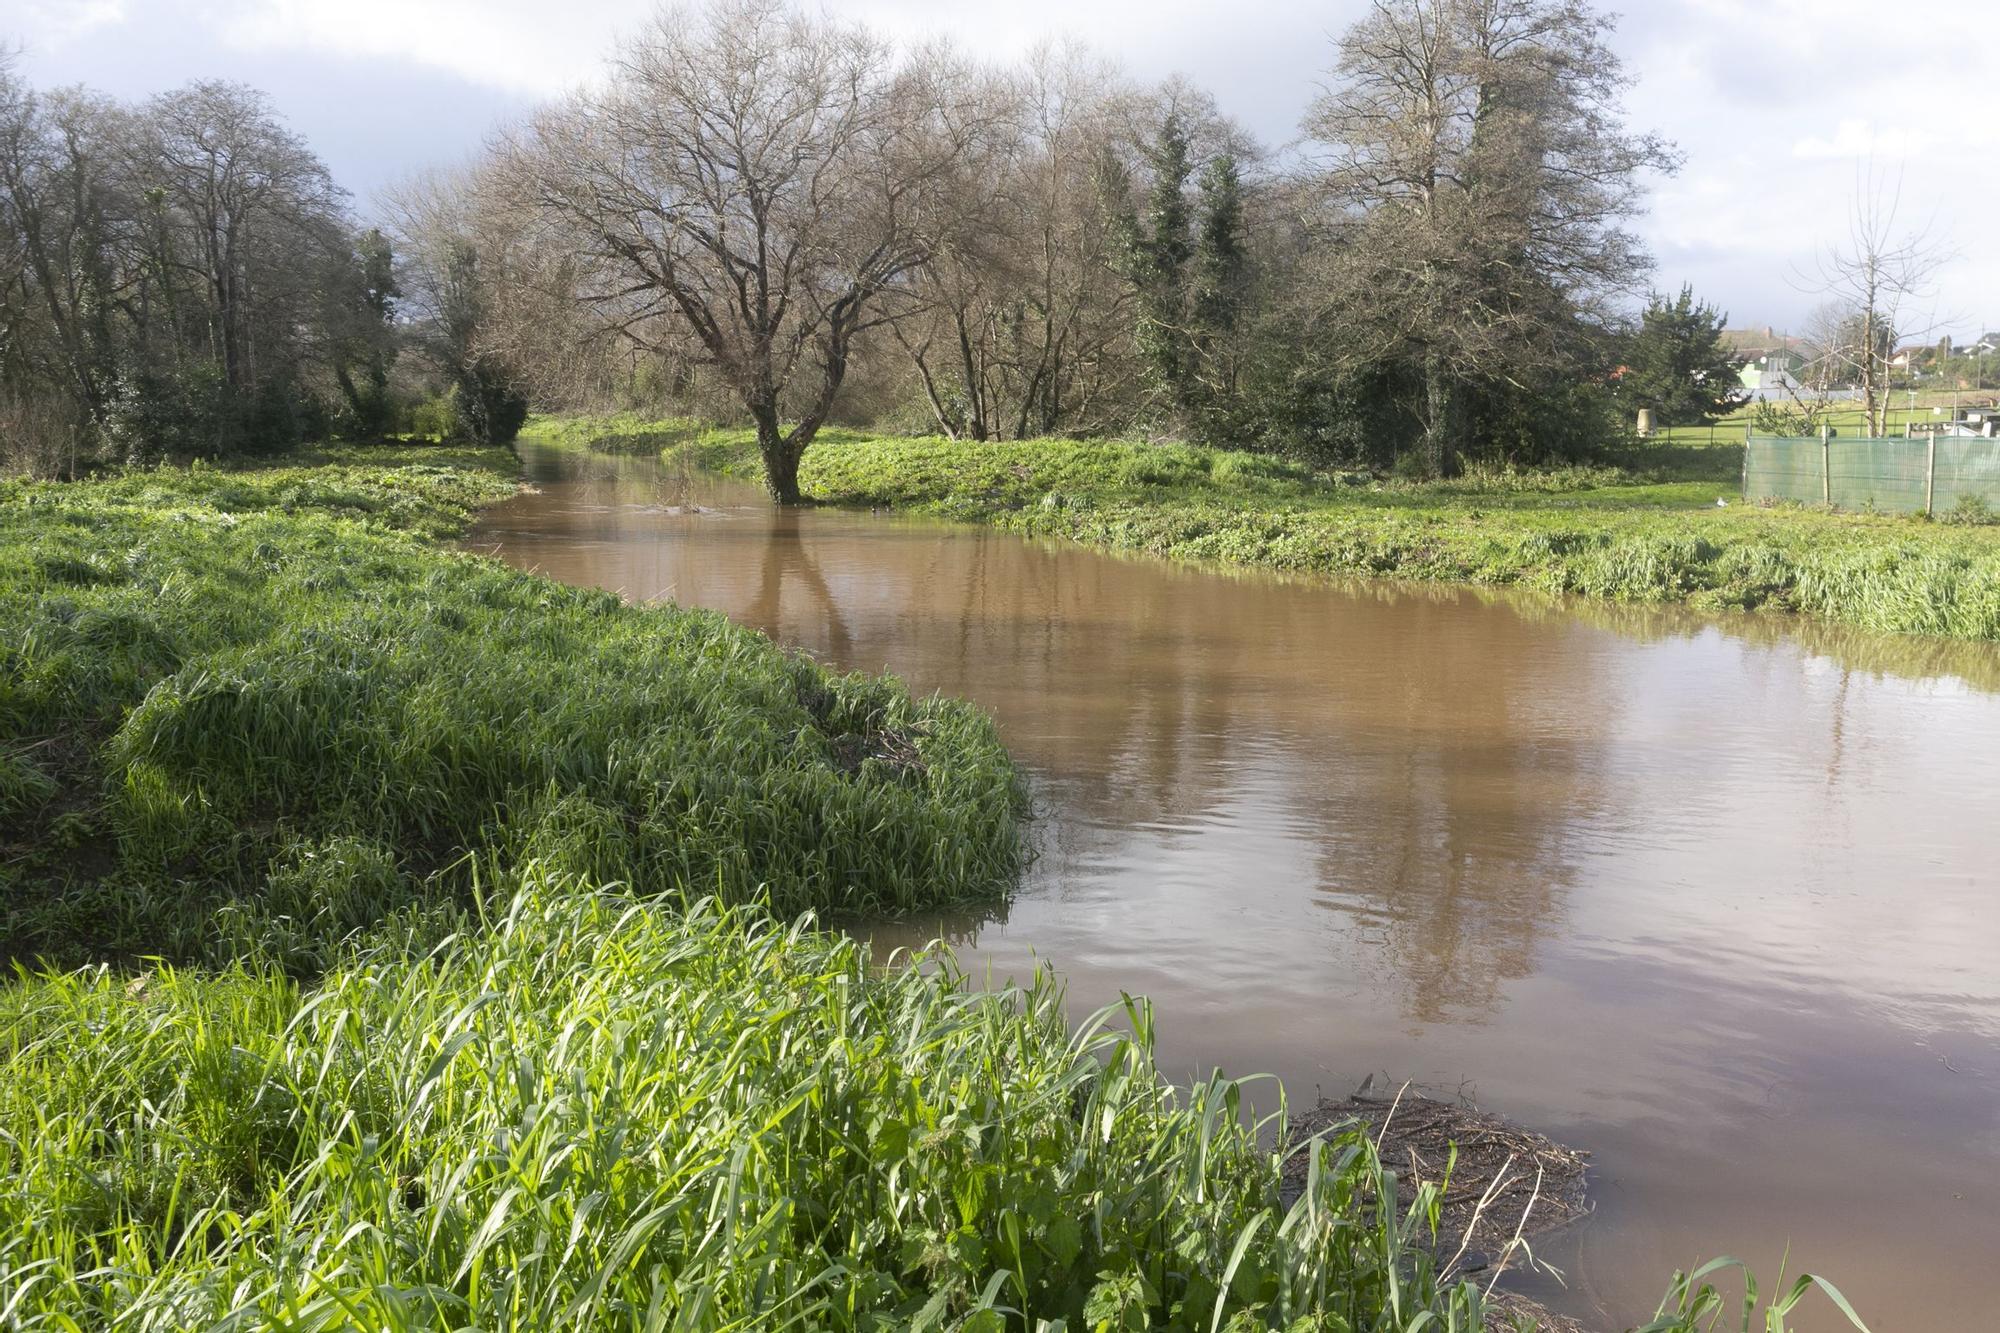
<point x="1923" y="475"/>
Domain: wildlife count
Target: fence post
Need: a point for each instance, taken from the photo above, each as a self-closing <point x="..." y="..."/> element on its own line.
<point x="1825" y="466"/>
<point x="1930" y="474"/>
<point x="1746" y="462"/>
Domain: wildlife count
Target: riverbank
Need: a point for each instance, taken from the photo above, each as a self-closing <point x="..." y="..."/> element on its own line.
<point x="1646" y="531"/>
<point x="461" y="1030"/>
<point x="227" y="679"/>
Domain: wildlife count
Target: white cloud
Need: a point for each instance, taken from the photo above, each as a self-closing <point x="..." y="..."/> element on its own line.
<point x="56" y="23"/>
<point x="517" y="45"/>
<point x="1862" y="139"/>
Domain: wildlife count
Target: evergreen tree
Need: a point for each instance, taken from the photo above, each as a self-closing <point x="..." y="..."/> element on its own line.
<point x="1158" y="262"/>
<point x="1678" y="365"/>
<point x="1219" y="299"/>
<point x="1189" y="271"/>
<point x="361" y="321"/>
<point x="1221" y="259"/>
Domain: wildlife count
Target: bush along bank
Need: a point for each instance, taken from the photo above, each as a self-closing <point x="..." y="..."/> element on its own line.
<point x="490" y="1020"/>
<point x="1592" y="532"/>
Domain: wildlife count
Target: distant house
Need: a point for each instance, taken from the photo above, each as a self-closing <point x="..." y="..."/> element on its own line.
<point x="1773" y="374"/>
<point x="1772" y="361"/>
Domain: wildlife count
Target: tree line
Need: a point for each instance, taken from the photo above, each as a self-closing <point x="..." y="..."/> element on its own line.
<point x="182" y="277"/>
<point x="766" y="215"/>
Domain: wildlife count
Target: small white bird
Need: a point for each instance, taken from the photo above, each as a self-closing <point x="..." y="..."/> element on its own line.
<point x="1721" y="503"/>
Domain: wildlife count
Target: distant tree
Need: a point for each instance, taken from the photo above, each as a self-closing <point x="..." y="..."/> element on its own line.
<point x="1157" y="251"/>
<point x="1477" y="181"/>
<point x="361" y="293"/>
<point x="1678" y="365"/>
<point x="744" y="190"/>
<point x="1221" y="258"/>
<point x="1871" y="284"/>
<point x="58" y="224"/>
<point x="174" y="276"/>
<point x="1020" y="322"/>
<point x="1220" y="298"/>
<point x="242" y="202"/>
<point x="445" y="275"/>
<point x="1189" y="268"/>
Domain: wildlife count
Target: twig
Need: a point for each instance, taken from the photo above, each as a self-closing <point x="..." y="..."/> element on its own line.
<point x="1519" y="1241"/>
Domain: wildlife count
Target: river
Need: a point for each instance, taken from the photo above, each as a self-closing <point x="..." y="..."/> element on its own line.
<point x="1716" y="900"/>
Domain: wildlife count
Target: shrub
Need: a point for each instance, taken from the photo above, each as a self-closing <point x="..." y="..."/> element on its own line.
<point x="435" y="417"/>
<point x="177" y="413"/>
<point x="1970" y="510"/>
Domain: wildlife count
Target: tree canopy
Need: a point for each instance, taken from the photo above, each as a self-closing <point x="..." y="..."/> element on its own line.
<point x="766" y="215"/>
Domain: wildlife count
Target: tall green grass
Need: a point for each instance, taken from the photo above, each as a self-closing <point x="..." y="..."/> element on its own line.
<point x="210" y="683"/>
<point x="592" y="1112"/>
<point x="596" y="1113"/>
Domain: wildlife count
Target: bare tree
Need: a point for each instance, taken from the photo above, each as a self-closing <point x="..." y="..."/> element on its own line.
<point x="751" y="181"/>
<point x="232" y="187"/>
<point x="1018" y="324"/>
<point x="58" y="266"/>
<point x="472" y="309"/>
<point x="1476" y="185"/>
<point x="1873" y="284"/>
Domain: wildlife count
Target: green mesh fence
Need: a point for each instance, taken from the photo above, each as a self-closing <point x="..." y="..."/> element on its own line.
<point x="1968" y="468"/>
<point x="1776" y="467"/>
<point x="1894" y="476"/>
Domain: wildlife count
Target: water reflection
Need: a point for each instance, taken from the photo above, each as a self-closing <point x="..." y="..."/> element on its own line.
<point x="788" y="566"/>
<point x="1713" y="897"/>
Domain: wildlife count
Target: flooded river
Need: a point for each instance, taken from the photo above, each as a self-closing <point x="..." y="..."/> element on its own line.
<point x="1718" y="901"/>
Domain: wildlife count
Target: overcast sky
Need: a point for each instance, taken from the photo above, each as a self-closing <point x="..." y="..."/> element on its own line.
<point x="1777" y="104"/>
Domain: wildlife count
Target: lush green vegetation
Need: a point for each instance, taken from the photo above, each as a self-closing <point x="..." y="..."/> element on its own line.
<point x="229" y="694"/>
<point x="596" y="1114"/>
<point x="1643" y="527"/>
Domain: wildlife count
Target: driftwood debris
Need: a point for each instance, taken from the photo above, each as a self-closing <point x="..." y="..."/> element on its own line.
<point x="1507" y="1186"/>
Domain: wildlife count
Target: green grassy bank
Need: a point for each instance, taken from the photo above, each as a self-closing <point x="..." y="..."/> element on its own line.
<point x="226" y="693"/>
<point x="1645" y="529"/>
<point x="420" y="948"/>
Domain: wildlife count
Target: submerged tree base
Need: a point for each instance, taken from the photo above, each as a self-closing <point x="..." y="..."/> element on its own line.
<point x="1504" y="1180"/>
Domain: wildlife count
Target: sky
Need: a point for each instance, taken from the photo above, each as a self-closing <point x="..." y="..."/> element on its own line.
<point x="1779" y="106"/>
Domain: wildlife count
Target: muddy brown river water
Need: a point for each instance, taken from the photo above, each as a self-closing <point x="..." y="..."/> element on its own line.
<point x="1717" y="900"/>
